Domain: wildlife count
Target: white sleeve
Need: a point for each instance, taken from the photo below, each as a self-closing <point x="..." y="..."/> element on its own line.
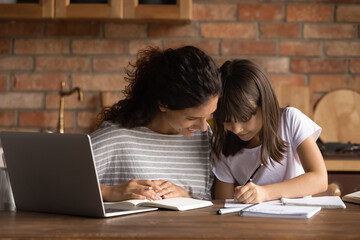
<point x="301" y="126"/>
<point x="222" y="170"/>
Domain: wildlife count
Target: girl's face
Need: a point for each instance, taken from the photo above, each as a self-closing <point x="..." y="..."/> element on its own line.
<point x="248" y="131"/>
<point x="189" y="120"/>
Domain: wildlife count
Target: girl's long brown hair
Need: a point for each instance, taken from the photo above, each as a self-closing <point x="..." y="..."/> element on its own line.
<point x="246" y="87"/>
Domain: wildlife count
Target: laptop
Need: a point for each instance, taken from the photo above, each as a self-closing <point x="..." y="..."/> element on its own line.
<point x="56" y="173"/>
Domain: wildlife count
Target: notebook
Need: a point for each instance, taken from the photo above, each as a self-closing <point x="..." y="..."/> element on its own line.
<point x="55" y="173"/>
<point x="352" y="197"/>
<point x="324" y="201"/>
<point x="279" y="211"/>
<point x="178" y="204"/>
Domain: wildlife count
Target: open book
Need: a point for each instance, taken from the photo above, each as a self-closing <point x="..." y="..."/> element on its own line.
<point x="178" y="204"/>
<point x="324" y="202"/>
<point x="278" y="211"/>
<point x="352" y="197"/>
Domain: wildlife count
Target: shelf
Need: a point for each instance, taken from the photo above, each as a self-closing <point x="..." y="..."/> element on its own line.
<point x="113" y="9"/>
<point x="43" y="9"/>
<point x="182" y="10"/>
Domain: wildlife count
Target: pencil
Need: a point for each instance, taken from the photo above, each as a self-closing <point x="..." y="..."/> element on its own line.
<point x="253" y="175"/>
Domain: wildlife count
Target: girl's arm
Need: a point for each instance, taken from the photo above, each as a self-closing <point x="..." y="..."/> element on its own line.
<point x="223" y="190"/>
<point x="313" y="181"/>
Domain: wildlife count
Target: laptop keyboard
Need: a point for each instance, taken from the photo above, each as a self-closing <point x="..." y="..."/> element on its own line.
<point x="111" y="210"/>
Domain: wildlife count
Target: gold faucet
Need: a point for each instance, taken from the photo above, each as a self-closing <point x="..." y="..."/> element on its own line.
<point x="62" y="94"/>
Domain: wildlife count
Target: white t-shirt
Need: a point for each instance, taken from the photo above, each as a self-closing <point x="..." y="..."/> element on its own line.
<point x="295" y="128"/>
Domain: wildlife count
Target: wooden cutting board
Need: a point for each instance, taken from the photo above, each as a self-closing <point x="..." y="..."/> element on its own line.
<point x="338" y="113"/>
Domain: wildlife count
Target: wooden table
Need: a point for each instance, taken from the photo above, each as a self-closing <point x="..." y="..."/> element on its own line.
<point x="194" y="224"/>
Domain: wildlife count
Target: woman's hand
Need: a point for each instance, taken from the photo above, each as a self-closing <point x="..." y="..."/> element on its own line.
<point x="170" y="190"/>
<point x="134" y="189"/>
<point x="250" y="193"/>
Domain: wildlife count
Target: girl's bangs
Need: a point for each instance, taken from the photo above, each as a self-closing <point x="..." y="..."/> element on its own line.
<point x="237" y="107"/>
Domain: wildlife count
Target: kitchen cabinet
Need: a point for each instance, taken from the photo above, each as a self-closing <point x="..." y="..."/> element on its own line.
<point x="110" y="9"/>
<point x="41" y="9"/>
<point x="181" y="10"/>
<point x="96" y="9"/>
<point x="344" y="171"/>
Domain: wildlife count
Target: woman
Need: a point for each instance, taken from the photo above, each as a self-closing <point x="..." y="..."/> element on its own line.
<point x="155" y="143"/>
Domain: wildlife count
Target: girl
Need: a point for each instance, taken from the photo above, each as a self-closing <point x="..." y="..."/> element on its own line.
<point x="155" y="143"/>
<point x="264" y="152"/>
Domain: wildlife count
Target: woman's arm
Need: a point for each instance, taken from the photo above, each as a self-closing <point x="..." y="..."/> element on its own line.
<point x="313" y="181"/>
<point x="223" y="190"/>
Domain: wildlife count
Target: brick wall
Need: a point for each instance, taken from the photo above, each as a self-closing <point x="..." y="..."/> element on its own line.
<point x="305" y="43"/>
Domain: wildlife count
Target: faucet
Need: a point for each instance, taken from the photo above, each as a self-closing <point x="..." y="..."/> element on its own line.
<point x="62" y="93"/>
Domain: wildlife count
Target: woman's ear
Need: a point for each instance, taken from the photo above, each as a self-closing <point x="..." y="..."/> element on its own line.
<point x="162" y="107"/>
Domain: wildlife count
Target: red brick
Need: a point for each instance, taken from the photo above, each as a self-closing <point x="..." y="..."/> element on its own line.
<point x="21" y="100"/>
<point x="279" y="30"/>
<point x="111" y="64"/>
<point x="110" y="98"/>
<point x="41" y="46"/>
<point x="309" y="13"/>
<point x="7" y="118"/>
<point x="72" y="29"/>
<point x="355" y="65"/>
<point x="228" y="30"/>
<point x="4" y="46"/>
<point x="348" y="13"/>
<point x="318" y="65"/>
<point x="326" y="83"/>
<point x="44" y="119"/>
<point x="232" y="48"/>
<point x="210" y="47"/>
<point x="260" y="12"/>
<point x="74" y="64"/>
<point x="46" y="82"/>
<point x="214" y="11"/>
<point x="162" y="30"/>
<point x="125" y="30"/>
<point x="277" y="65"/>
<point x="136" y="45"/>
<point x="287" y="80"/>
<point x="3" y="82"/>
<point x="15" y="63"/>
<point x="300" y="48"/>
<point x="98" y="46"/>
<point x="219" y="61"/>
<point x="20" y="29"/>
<point x="90" y="101"/>
<point x="99" y="82"/>
<point x="333" y="31"/>
<point x="337" y="48"/>
<point x="86" y="119"/>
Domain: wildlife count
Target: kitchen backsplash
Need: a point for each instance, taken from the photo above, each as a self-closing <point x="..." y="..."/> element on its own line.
<point x="313" y="44"/>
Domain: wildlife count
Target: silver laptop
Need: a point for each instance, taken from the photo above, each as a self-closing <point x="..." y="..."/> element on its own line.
<point x="55" y="173"/>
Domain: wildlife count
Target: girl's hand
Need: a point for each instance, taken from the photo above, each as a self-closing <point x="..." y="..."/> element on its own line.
<point x="134" y="189"/>
<point x="250" y="193"/>
<point x="170" y="190"/>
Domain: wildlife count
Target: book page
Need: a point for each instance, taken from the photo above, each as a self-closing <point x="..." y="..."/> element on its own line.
<point x="180" y="204"/>
<point x="352" y="197"/>
<point x="266" y="210"/>
<point x="231" y="203"/>
<point x="325" y="201"/>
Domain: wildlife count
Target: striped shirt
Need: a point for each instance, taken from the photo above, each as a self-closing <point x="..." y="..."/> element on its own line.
<point x="123" y="154"/>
